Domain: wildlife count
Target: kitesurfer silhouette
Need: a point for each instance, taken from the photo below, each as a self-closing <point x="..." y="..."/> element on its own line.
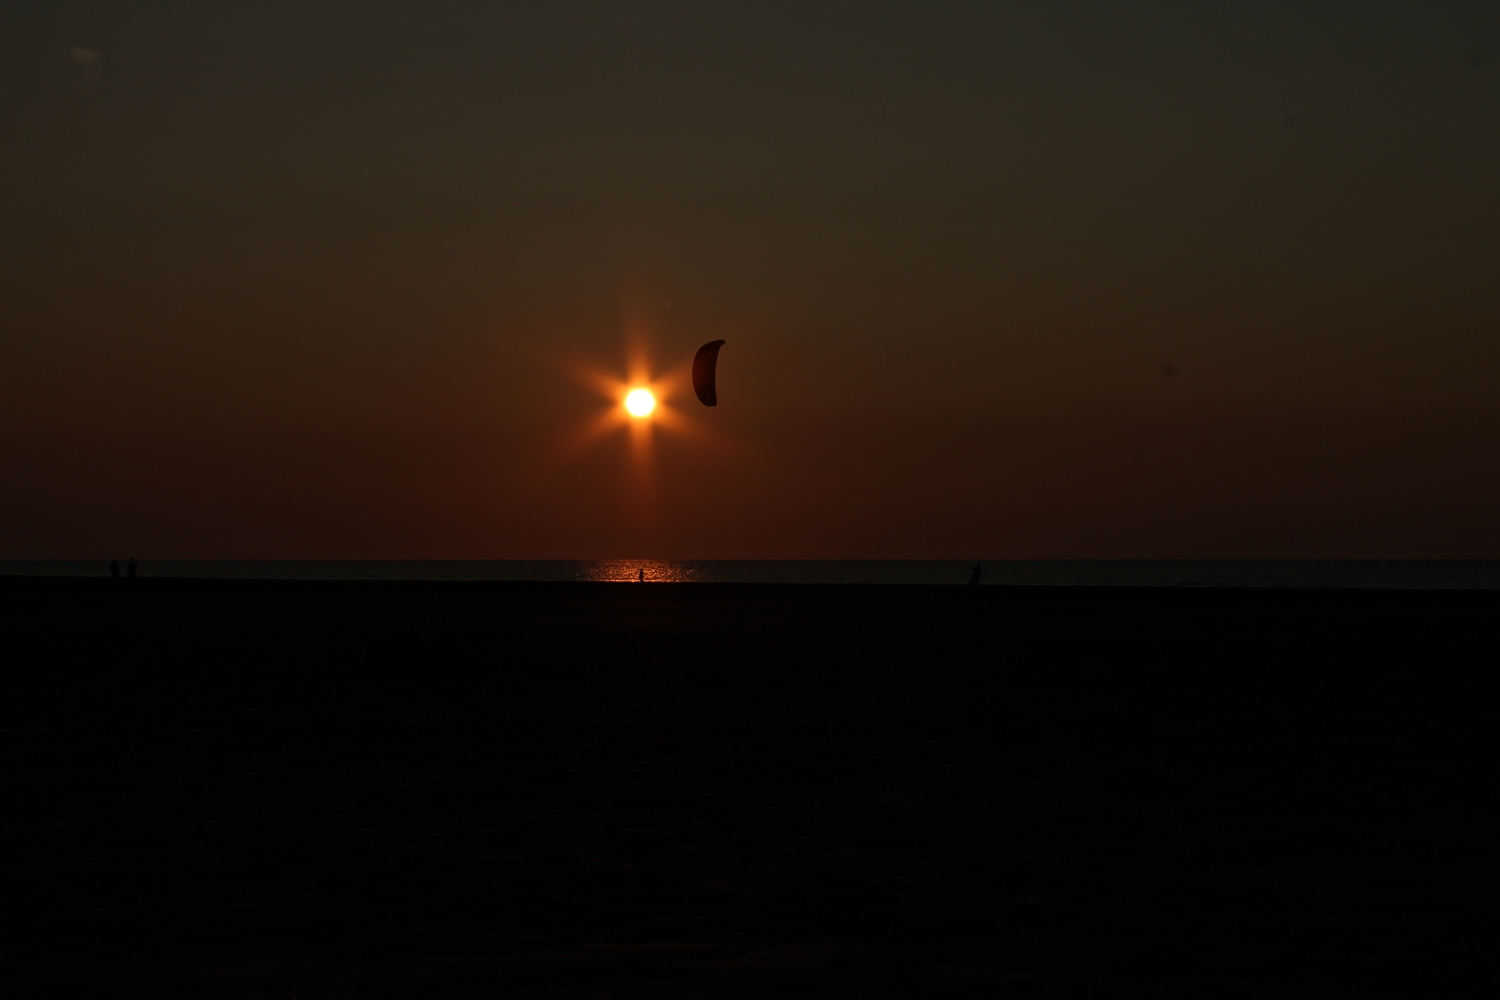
<point x="974" y="572"/>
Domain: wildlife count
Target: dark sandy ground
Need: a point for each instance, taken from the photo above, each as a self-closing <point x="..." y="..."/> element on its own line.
<point x="419" y="789"/>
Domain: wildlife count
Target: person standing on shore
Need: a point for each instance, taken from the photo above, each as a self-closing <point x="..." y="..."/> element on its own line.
<point x="130" y="569"/>
<point x="974" y="572"/>
<point x="114" y="569"/>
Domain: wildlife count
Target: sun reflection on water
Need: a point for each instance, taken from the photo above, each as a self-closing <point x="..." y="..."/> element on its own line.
<point x="640" y="571"/>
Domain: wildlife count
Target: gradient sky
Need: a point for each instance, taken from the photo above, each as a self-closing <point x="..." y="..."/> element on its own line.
<point x="319" y="280"/>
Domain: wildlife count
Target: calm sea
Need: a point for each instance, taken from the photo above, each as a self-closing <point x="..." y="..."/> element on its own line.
<point x="1379" y="574"/>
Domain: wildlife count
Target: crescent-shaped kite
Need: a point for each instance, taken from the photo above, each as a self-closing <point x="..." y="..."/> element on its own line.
<point x="705" y="365"/>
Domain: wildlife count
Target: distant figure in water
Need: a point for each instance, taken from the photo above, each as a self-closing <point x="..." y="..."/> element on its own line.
<point x="641" y="575"/>
<point x="130" y="569"/>
<point x="974" y="572"/>
<point x="114" y="568"/>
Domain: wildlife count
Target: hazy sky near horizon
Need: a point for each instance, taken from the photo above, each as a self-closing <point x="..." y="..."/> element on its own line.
<point x="1036" y="280"/>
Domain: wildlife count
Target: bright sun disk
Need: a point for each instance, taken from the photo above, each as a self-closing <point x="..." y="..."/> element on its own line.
<point x="640" y="402"/>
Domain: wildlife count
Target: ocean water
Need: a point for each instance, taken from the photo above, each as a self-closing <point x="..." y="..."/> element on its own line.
<point x="1336" y="574"/>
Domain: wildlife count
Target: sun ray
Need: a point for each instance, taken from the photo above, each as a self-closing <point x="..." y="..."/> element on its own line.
<point x="604" y="424"/>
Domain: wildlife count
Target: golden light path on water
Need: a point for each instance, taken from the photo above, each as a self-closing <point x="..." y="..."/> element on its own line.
<point x="641" y="571"/>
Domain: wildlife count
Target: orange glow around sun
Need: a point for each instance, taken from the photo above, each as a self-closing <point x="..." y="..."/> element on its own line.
<point x="643" y="401"/>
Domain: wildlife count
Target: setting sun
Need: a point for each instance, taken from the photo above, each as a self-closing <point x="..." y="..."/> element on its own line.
<point x="640" y="402"/>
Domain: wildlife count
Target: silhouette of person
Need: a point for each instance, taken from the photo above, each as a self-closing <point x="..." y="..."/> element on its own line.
<point x="114" y="568"/>
<point x="641" y="575"/>
<point x="130" y="569"/>
<point x="974" y="572"/>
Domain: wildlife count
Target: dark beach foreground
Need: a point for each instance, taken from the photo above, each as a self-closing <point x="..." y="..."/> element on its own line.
<point x="234" y="788"/>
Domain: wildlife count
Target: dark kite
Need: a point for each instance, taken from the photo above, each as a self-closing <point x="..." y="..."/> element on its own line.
<point x="705" y="366"/>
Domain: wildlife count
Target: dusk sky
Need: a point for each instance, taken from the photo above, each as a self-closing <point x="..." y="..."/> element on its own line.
<point x="328" y="280"/>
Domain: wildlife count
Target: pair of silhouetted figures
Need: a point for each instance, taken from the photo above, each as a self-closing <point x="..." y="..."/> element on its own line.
<point x="114" y="568"/>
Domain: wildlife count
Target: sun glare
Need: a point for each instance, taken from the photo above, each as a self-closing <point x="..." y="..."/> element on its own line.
<point x="640" y="402"/>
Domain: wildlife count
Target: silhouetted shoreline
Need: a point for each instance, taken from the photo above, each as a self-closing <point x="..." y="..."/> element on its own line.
<point x="378" y="788"/>
<point x="1295" y="574"/>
